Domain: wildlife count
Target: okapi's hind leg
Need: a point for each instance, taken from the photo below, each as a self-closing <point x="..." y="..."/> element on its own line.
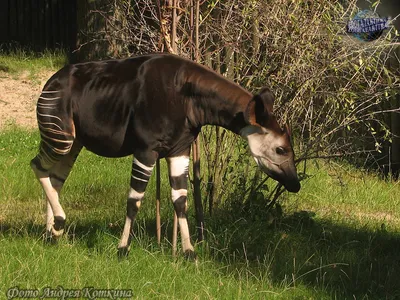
<point x="57" y="153"/>
<point x="52" y="181"/>
<point x="58" y="175"/>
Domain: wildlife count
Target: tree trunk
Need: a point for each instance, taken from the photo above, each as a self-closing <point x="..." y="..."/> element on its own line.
<point x="91" y="28"/>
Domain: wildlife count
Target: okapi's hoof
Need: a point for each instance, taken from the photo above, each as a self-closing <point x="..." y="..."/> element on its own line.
<point x="190" y="255"/>
<point x="49" y="238"/>
<point x="58" y="228"/>
<point x="123" y="252"/>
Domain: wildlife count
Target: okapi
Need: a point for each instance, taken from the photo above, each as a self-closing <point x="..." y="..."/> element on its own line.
<point x="151" y="106"/>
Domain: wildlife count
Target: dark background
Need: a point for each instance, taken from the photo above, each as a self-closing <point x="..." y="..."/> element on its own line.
<point x="38" y="24"/>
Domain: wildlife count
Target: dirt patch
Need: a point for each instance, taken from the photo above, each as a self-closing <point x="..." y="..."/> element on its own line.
<point x="18" y="96"/>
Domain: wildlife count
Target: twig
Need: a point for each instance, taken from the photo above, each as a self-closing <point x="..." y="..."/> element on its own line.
<point x="336" y="155"/>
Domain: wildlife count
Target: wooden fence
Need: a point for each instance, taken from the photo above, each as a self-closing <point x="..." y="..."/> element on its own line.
<point x="38" y="24"/>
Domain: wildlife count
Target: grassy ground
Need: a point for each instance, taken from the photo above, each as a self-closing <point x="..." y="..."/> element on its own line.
<point x="337" y="239"/>
<point x="24" y="61"/>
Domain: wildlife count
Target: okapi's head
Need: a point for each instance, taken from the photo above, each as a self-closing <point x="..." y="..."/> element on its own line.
<point x="269" y="144"/>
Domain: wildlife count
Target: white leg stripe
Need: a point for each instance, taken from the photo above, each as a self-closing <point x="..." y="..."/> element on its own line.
<point x="135" y="195"/>
<point x="54" y="98"/>
<point x="49" y="217"/>
<point x="50" y="116"/>
<point x="125" y="233"/>
<point x="185" y="236"/>
<point x="47" y="104"/>
<point x="178" y="193"/>
<point x="48" y="92"/>
<point x="49" y="123"/>
<point x="52" y="196"/>
<point x="144" y="167"/>
<point x="178" y="165"/>
<point x="137" y="178"/>
<point x="136" y="170"/>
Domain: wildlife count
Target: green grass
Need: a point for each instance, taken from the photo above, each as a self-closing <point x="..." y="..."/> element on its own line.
<point x="337" y="239"/>
<point x="19" y="61"/>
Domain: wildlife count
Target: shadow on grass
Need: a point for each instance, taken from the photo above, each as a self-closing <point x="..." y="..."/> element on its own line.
<point x="96" y="234"/>
<point x="87" y="232"/>
<point x="342" y="261"/>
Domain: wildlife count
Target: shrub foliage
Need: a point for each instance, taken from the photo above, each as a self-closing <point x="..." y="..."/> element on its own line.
<point x="336" y="92"/>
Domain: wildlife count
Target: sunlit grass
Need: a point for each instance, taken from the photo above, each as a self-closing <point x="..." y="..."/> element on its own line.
<point x="339" y="191"/>
<point x="21" y="61"/>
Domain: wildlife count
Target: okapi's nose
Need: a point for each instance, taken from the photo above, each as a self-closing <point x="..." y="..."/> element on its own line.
<point x="293" y="186"/>
<point x="291" y="182"/>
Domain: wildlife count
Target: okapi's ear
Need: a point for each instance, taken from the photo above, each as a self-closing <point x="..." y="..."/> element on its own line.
<point x="287" y="129"/>
<point x="260" y="108"/>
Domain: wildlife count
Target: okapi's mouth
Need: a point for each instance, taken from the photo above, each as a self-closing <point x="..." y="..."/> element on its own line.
<point x="282" y="172"/>
<point x="292" y="185"/>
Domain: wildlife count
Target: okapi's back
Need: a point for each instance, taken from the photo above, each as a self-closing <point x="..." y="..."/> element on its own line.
<point x="104" y="96"/>
<point x="157" y="101"/>
<point x="115" y="105"/>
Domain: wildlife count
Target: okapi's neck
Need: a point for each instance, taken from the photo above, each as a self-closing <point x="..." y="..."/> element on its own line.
<point x="214" y="100"/>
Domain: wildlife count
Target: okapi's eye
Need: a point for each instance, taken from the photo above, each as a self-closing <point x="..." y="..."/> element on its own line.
<point x="280" y="151"/>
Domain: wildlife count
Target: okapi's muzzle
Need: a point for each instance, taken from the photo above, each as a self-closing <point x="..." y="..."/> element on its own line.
<point x="292" y="185"/>
<point x="291" y="180"/>
<point x="284" y="172"/>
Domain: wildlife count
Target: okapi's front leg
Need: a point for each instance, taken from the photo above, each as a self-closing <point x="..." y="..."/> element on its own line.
<point x="141" y="173"/>
<point x="178" y="177"/>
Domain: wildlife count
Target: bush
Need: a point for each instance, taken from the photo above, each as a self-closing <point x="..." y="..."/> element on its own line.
<point x="335" y="91"/>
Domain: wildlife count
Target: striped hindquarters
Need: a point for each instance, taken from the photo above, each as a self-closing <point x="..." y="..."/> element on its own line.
<point x="56" y="132"/>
